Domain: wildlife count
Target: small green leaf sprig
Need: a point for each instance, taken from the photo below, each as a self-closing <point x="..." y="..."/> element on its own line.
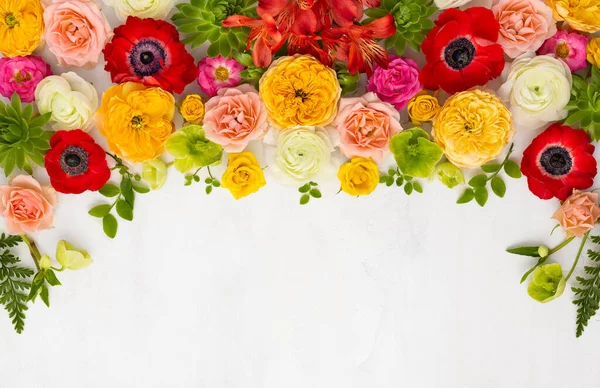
<point x="478" y="183"/>
<point x="44" y="276"/>
<point x="15" y="282"/>
<point x="308" y="191"/>
<point x="210" y="181"/>
<point x="395" y="176"/>
<point x="124" y="195"/>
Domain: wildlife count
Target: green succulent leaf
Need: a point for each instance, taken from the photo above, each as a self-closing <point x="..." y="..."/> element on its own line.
<point x="584" y="105"/>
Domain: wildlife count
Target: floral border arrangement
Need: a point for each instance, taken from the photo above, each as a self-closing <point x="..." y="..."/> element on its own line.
<point x="279" y="73"/>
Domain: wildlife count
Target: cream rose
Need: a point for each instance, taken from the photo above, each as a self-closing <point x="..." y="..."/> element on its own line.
<point x="537" y="89"/>
<point x="298" y="155"/>
<point x="70" y="98"/>
<point x="155" y="9"/>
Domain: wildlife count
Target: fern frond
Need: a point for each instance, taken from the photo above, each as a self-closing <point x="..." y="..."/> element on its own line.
<point x="588" y="294"/>
<point x="14" y="283"/>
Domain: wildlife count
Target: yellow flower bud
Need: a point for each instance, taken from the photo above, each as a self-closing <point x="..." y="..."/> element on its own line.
<point x="192" y="109"/>
<point x="45" y="262"/>
<point x="70" y="257"/>
<point x="422" y="108"/>
<point x="593" y="51"/>
<point x="359" y="176"/>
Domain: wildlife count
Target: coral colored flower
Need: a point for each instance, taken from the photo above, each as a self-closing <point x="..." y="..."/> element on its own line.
<point x="235" y="117"/>
<point x="21" y="26"/>
<point x="473" y="127"/>
<point x="217" y="73"/>
<point x="398" y="83"/>
<point x="593" y="51"/>
<point x="359" y="176"/>
<point x="579" y="213"/>
<point x="22" y="75"/>
<point x="243" y="175"/>
<point x="192" y="109"/>
<point x="136" y="120"/>
<point x="76" y="163"/>
<point x="559" y="160"/>
<point x="581" y="15"/>
<point x="524" y="25"/>
<point x="148" y="51"/>
<point x="76" y="32"/>
<point x="569" y="47"/>
<point x="422" y="108"/>
<point x="26" y="205"/>
<point x="365" y="125"/>
<point x="299" y="90"/>
<point x="155" y="9"/>
<point x="461" y="50"/>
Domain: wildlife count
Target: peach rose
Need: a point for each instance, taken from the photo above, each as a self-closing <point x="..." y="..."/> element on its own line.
<point x="578" y="213"/>
<point x="365" y="125"/>
<point x="235" y="117"/>
<point x="26" y="205"/>
<point x="524" y="25"/>
<point x="76" y="32"/>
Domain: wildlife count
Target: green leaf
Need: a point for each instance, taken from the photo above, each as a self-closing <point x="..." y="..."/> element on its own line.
<point x="525" y="251"/>
<point x="498" y="186"/>
<point x="304" y="199"/>
<point x="512" y="169"/>
<point x="100" y="211"/>
<point x="467" y="196"/>
<point x="44" y="295"/>
<point x="588" y="293"/>
<point x="124" y="210"/>
<point x="14" y="283"/>
<point x="126" y="186"/>
<point x="490" y="167"/>
<point x="51" y="278"/>
<point x="481" y="196"/>
<point x="141" y="189"/>
<point x="408" y="188"/>
<point x="304" y="189"/>
<point x="478" y="180"/>
<point x="418" y="188"/>
<point x="110" y="225"/>
<point x="109" y="190"/>
<point x="208" y="189"/>
<point x="315" y="193"/>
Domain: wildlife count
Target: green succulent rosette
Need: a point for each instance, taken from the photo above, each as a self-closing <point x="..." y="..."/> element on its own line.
<point x="415" y="154"/>
<point x="23" y="140"/>
<point x="192" y="149"/>
<point x="202" y="20"/>
<point x="412" y="19"/>
<point x="348" y="82"/>
<point x="584" y="106"/>
<point x="547" y="284"/>
<point x="252" y="73"/>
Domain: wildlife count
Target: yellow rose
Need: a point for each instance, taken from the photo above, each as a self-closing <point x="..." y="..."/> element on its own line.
<point x="473" y="127"/>
<point x="581" y="15"/>
<point x="136" y="120"/>
<point x="422" y="108"/>
<point x="192" y="109"/>
<point x="300" y="91"/>
<point x="593" y="51"/>
<point x="21" y="26"/>
<point x="359" y="176"/>
<point x="243" y="175"/>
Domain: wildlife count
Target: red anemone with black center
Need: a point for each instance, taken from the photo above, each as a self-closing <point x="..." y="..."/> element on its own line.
<point x="76" y="163"/>
<point x="148" y="51"/>
<point x="559" y="160"/>
<point x="461" y="50"/>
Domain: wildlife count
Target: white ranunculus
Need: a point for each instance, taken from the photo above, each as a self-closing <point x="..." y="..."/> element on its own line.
<point x="537" y="89"/>
<point x="301" y="154"/>
<point x="445" y="4"/>
<point x="71" y="99"/>
<point x="156" y="9"/>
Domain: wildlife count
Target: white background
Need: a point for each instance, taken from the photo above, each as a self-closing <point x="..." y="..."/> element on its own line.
<point x="376" y="292"/>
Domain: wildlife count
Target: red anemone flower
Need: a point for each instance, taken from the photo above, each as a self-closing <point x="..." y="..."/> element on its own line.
<point x="461" y="50"/>
<point x="559" y="160"/>
<point x="149" y="51"/>
<point x="76" y="163"/>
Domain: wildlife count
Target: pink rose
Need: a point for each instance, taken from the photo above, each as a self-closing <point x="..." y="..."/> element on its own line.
<point x="365" y="125"/>
<point x="22" y="75"/>
<point x="524" y="25"/>
<point x="398" y="83"/>
<point x="26" y="205"/>
<point x="76" y="32"/>
<point x="570" y="47"/>
<point x="578" y="213"/>
<point x="235" y="117"/>
<point x="217" y="73"/>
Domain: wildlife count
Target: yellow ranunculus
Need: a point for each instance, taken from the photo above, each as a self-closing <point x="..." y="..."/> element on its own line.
<point x="192" y="109"/>
<point x="581" y="15"/>
<point x="136" y="120"/>
<point x="473" y="127"/>
<point x="21" y="26"/>
<point x="300" y="91"/>
<point x="593" y="51"/>
<point x="359" y="176"/>
<point x="243" y="175"/>
<point x="422" y="108"/>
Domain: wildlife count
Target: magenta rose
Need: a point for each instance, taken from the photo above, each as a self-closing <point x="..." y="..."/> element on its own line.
<point x="22" y="75"/>
<point x="398" y="83"/>
<point x="217" y="73"/>
<point x="570" y="47"/>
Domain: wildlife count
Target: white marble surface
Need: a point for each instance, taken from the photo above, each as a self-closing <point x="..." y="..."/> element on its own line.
<point x="380" y="292"/>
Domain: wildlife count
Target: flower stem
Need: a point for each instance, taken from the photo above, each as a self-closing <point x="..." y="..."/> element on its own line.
<point x="209" y="174"/>
<point x="510" y="151"/>
<point x="560" y="246"/>
<point x="33" y="249"/>
<point x="583" y="240"/>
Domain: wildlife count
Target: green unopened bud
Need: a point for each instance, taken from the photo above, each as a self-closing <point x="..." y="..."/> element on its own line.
<point x="348" y="82"/>
<point x="155" y="173"/>
<point x="543" y="251"/>
<point x="45" y="262"/>
<point x="70" y="257"/>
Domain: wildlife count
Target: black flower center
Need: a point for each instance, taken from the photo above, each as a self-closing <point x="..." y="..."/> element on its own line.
<point x="301" y="94"/>
<point x="459" y="53"/>
<point x="147" y="58"/>
<point x="556" y="161"/>
<point x="74" y="161"/>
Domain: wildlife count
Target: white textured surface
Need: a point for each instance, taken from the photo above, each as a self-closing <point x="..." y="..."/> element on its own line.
<point x="386" y="291"/>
